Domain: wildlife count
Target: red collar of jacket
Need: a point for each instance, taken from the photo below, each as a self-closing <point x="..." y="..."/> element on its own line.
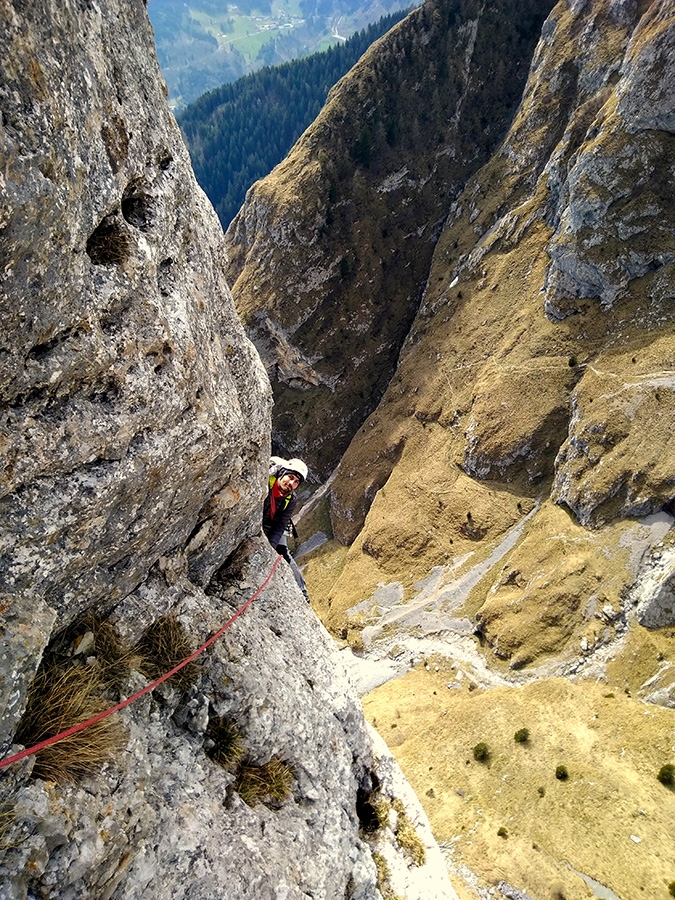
<point x="276" y="494"/>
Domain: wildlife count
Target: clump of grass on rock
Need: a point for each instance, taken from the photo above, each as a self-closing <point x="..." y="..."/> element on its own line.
<point x="373" y="811"/>
<point x="382" y="868"/>
<point x="60" y="698"/>
<point x="84" y="667"/>
<point x="407" y="837"/>
<point x="162" y="646"/>
<point x="113" y="656"/>
<point x="92" y="639"/>
<point x="227" y="746"/>
<point x="383" y="875"/>
<point x="109" y="244"/>
<point x="7" y="821"/>
<point x="270" y="783"/>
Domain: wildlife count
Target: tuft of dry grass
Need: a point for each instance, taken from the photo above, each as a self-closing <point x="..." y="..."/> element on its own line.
<point x="228" y="747"/>
<point x="383" y="877"/>
<point x="114" y="658"/>
<point x="270" y="783"/>
<point x="163" y="645"/>
<point x="60" y="698"/>
<point x="112" y="655"/>
<point x="7" y="821"/>
<point x="382" y="869"/>
<point x="108" y="244"/>
<point x="381" y="807"/>
<point x="407" y="837"/>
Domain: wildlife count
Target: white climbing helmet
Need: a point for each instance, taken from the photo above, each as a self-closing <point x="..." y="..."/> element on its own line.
<point x="298" y="467"/>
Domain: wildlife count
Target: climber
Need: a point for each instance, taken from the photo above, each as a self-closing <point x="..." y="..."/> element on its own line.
<point x="284" y="479"/>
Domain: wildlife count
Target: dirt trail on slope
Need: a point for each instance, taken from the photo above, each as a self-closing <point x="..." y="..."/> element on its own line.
<point x="433" y="694"/>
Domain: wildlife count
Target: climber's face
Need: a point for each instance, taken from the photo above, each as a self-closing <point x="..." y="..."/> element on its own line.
<point x="288" y="483"/>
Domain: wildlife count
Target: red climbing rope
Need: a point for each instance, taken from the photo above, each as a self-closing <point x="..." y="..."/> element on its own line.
<point x="29" y="751"/>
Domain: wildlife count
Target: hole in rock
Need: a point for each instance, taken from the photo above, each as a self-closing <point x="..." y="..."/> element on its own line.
<point x="138" y="208"/>
<point x="165" y="279"/>
<point x="108" y="245"/>
<point x="366" y="799"/>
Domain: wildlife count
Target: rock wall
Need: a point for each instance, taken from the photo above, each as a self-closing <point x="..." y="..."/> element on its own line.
<point x="135" y="411"/>
<point x="135" y="440"/>
<point x="608" y="188"/>
<point x="164" y="820"/>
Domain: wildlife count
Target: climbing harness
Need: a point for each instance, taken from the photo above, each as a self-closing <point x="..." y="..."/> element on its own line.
<point x="29" y="751"/>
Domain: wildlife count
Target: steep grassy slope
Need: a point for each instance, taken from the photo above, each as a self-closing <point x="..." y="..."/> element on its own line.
<point x="506" y="403"/>
<point x="523" y="455"/>
<point x="329" y="255"/>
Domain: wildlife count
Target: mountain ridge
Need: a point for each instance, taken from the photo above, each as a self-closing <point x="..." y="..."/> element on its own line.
<point x="204" y="44"/>
<point x="341" y="233"/>
<point x="237" y="133"/>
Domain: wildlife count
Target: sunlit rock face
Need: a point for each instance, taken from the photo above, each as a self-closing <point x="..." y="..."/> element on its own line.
<point x="135" y="442"/>
<point x="614" y="220"/>
<point x="135" y="411"/>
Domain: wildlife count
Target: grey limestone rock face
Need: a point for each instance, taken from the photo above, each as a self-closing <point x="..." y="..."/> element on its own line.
<point x="135" y="412"/>
<point x="655" y="591"/>
<point x="135" y="441"/>
<point x="617" y="460"/>
<point x="165" y="821"/>
<point x="613" y="215"/>
<point x="647" y="71"/>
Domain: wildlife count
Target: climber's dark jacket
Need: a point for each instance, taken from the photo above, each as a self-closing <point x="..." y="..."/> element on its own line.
<point x="274" y="526"/>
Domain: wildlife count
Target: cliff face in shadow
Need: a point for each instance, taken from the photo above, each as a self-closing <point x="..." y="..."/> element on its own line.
<point x="135" y="442"/>
<point x="329" y="255"/>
